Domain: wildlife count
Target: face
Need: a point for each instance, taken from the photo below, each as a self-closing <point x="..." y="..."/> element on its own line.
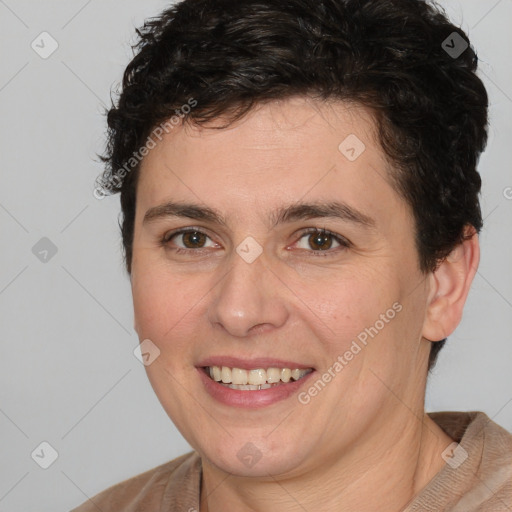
<point x="278" y="243"/>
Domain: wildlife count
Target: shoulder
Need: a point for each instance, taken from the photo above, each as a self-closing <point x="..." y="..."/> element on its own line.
<point x="147" y="490"/>
<point x="478" y="472"/>
<point x="494" y="472"/>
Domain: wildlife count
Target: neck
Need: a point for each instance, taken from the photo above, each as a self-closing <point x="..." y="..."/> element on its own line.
<point x="384" y="473"/>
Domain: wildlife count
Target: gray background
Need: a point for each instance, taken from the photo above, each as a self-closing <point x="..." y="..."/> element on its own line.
<point x="68" y="375"/>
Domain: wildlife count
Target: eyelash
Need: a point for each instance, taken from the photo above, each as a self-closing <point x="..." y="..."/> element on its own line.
<point x="344" y="243"/>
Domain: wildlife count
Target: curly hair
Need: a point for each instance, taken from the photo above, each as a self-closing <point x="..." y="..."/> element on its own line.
<point x="391" y="56"/>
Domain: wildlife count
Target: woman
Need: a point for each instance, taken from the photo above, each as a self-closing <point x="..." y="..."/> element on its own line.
<point x="300" y="222"/>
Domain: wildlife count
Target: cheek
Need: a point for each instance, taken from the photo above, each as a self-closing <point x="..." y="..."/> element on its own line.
<point x="163" y="303"/>
<point x="347" y="304"/>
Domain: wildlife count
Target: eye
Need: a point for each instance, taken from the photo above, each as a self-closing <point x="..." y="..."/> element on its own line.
<point x="313" y="240"/>
<point x="188" y="240"/>
<point x="321" y="240"/>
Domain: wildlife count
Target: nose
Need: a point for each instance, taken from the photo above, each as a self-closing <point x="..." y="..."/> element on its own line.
<point x="249" y="299"/>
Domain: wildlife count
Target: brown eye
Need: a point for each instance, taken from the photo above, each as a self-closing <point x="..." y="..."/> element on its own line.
<point x="194" y="239"/>
<point x="317" y="241"/>
<point x="320" y="241"/>
<point x="188" y="240"/>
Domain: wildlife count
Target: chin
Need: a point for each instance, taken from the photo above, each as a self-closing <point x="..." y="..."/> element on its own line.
<point x="259" y="457"/>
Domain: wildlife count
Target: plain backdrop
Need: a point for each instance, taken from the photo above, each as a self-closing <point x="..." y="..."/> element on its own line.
<point x="68" y="375"/>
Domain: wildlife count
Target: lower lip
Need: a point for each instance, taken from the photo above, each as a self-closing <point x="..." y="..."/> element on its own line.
<point x="251" y="399"/>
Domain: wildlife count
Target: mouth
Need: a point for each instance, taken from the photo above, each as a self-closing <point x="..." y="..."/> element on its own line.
<point x="256" y="379"/>
<point x="252" y="383"/>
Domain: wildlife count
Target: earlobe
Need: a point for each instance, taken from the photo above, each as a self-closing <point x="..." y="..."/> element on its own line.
<point x="449" y="288"/>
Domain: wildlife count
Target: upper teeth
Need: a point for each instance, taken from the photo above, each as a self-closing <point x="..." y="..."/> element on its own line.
<point x="255" y="377"/>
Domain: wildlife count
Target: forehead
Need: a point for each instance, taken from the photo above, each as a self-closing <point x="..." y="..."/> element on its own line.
<point x="280" y="152"/>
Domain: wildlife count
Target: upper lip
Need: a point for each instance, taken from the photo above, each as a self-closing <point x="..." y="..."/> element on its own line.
<point x="251" y="364"/>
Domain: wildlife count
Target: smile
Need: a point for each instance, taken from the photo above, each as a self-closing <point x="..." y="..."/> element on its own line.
<point x="254" y="379"/>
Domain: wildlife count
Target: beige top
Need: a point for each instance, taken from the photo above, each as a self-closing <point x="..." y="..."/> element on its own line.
<point x="480" y="481"/>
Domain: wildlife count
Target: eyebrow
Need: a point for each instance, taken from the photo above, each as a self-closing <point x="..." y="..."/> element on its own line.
<point x="282" y="215"/>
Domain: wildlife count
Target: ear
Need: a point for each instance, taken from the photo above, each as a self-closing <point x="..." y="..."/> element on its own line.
<point x="449" y="288"/>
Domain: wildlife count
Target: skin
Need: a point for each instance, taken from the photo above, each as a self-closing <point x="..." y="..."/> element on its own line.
<point x="366" y="430"/>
